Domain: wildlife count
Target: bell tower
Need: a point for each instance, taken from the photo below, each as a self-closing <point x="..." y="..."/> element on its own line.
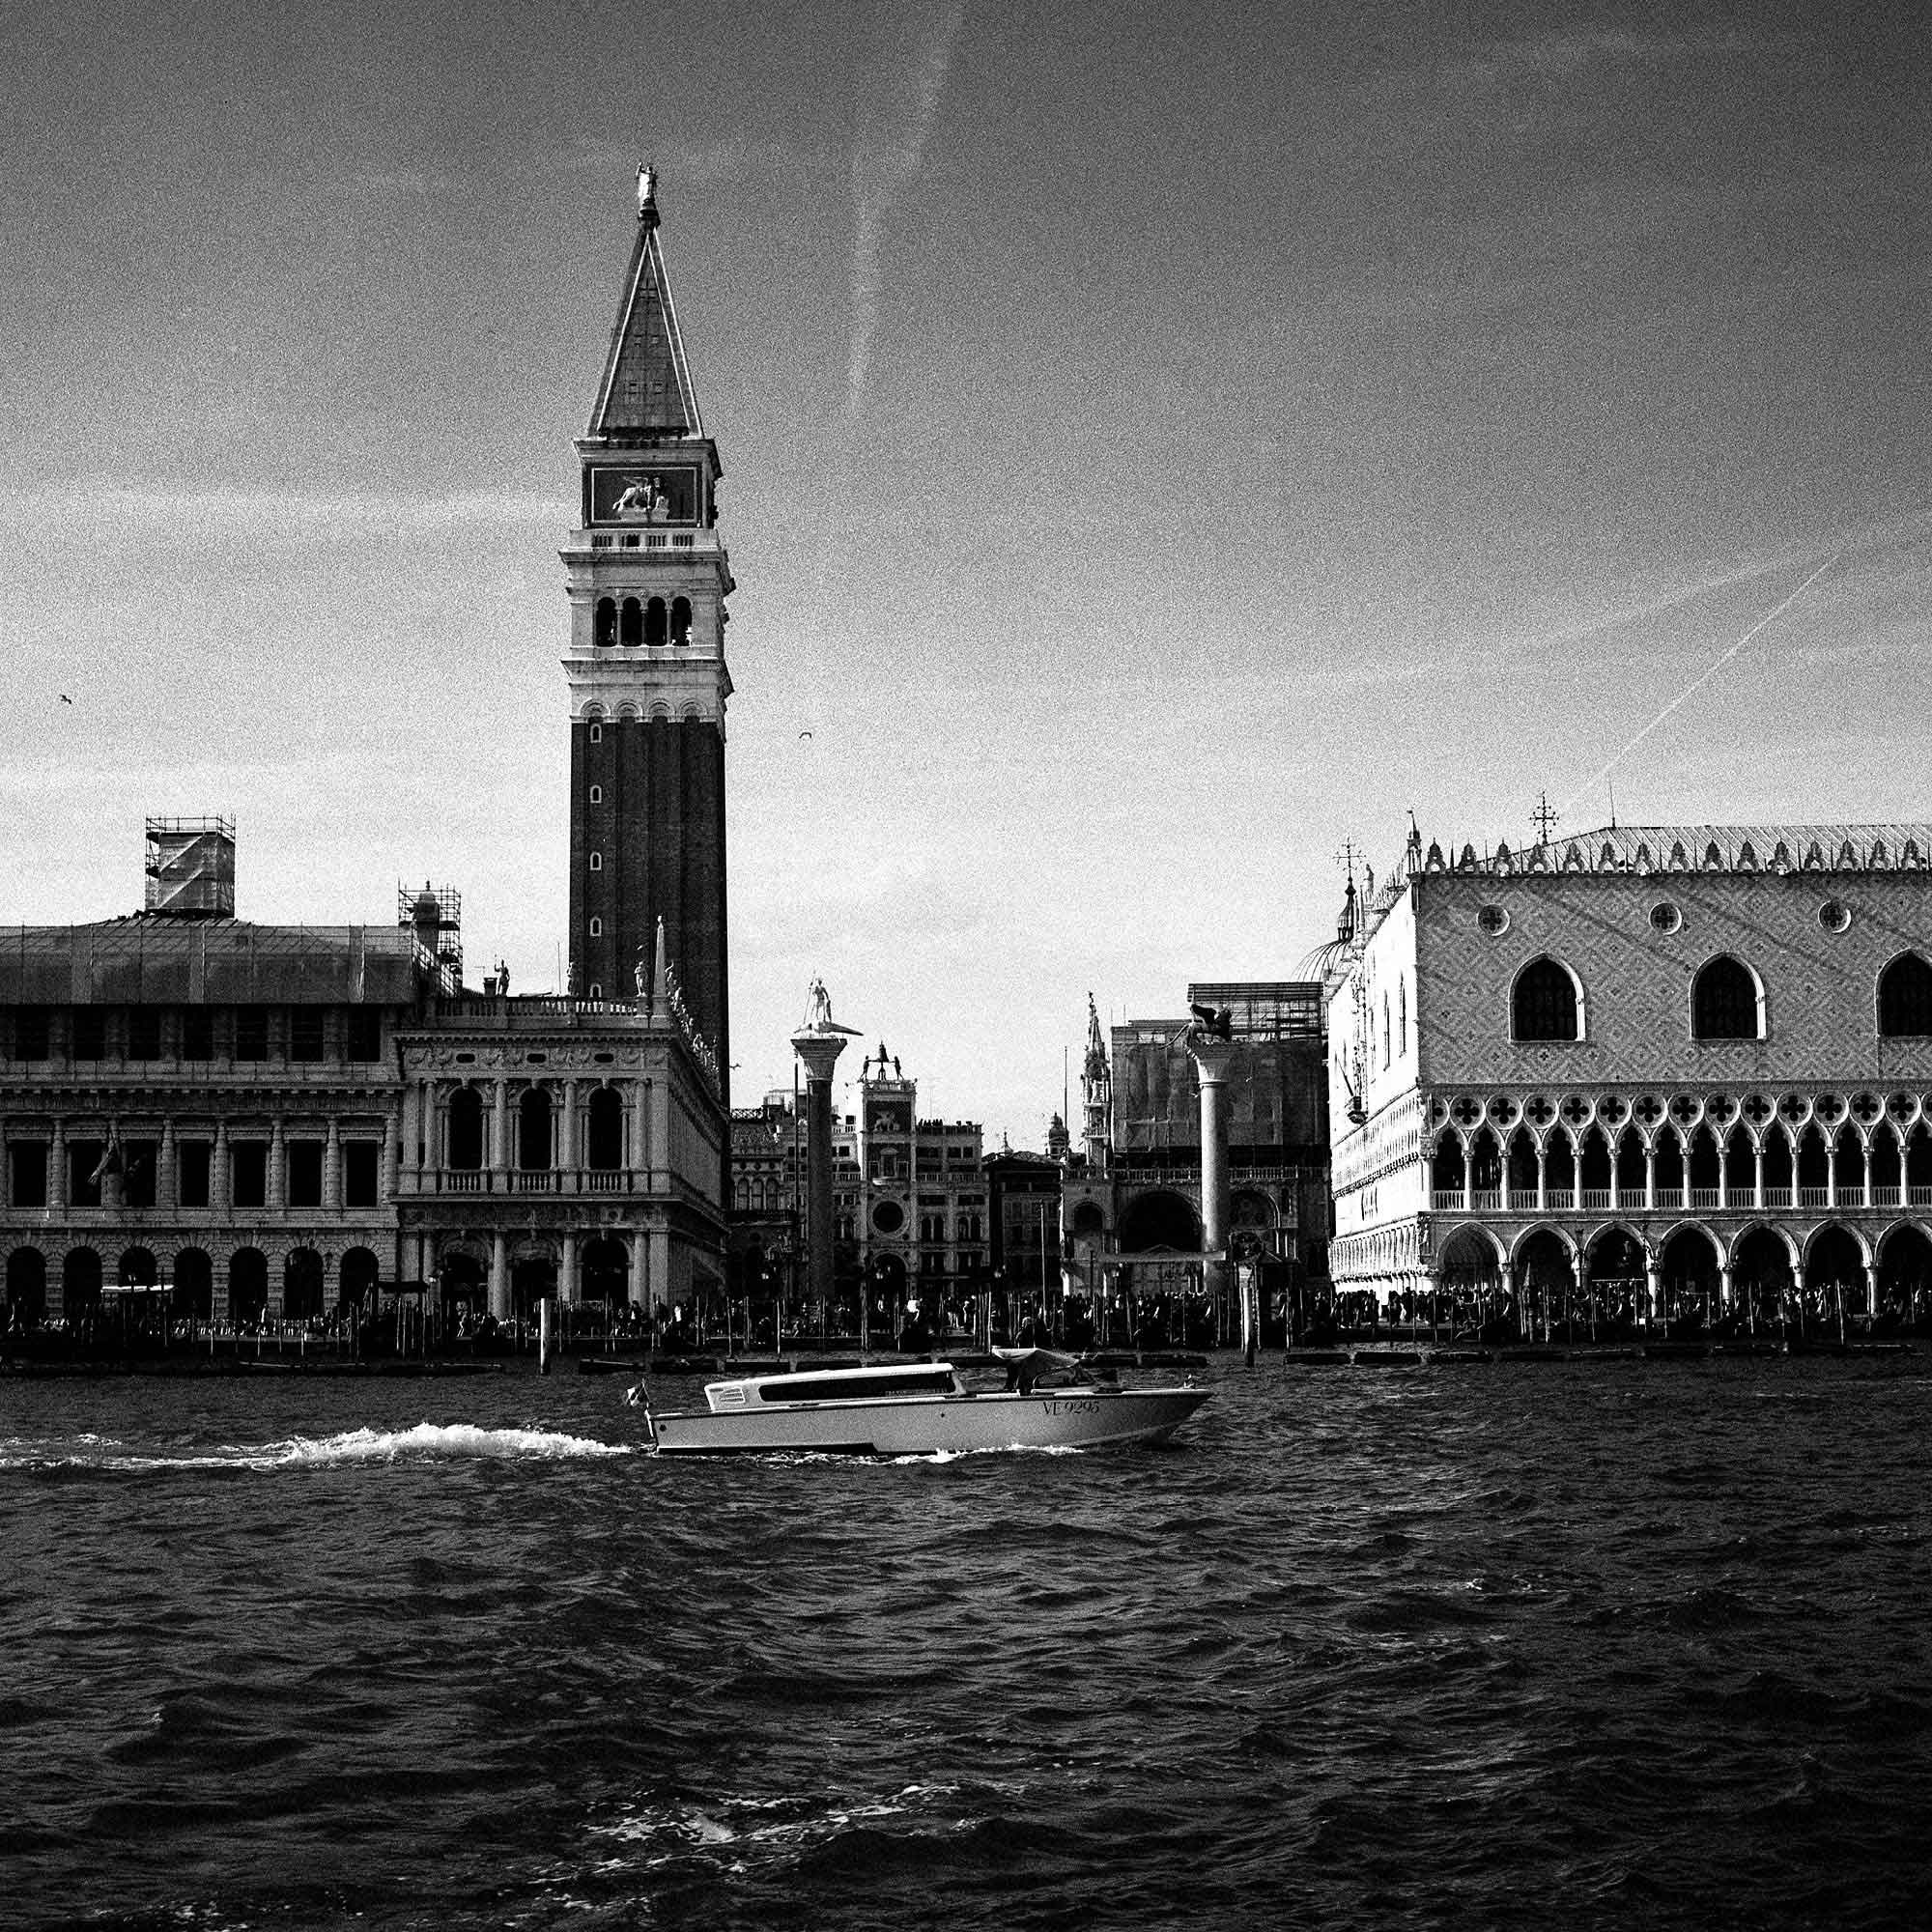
<point x="647" y="576"/>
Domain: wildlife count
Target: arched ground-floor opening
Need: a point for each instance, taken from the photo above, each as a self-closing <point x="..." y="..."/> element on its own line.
<point x="247" y="1287"/>
<point x="358" y="1276"/>
<point x="1904" y="1279"/>
<point x="533" y="1281"/>
<point x="303" y="1276"/>
<point x="1470" y="1291"/>
<point x="193" y="1296"/>
<point x="1834" y="1280"/>
<point x="26" y="1288"/>
<point x="1761" y="1279"/>
<point x="80" y="1284"/>
<point x="1546" y="1274"/>
<point x="886" y="1287"/>
<point x="137" y="1268"/>
<point x="1160" y="1219"/>
<point x="1618" y="1267"/>
<point x="465" y="1282"/>
<point x="604" y="1271"/>
<point x="1689" y="1281"/>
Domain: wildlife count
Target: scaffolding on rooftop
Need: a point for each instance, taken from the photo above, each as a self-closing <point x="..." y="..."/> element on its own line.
<point x="191" y="867"/>
<point x="435" y="915"/>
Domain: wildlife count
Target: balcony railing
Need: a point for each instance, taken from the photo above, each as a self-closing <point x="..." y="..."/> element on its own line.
<point x="1676" y="1200"/>
<point x="571" y="1180"/>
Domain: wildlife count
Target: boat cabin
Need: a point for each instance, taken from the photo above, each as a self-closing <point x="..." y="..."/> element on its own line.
<point x="902" y="1381"/>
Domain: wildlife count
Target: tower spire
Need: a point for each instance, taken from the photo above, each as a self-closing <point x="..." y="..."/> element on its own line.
<point x="647" y="394"/>
<point x="647" y="578"/>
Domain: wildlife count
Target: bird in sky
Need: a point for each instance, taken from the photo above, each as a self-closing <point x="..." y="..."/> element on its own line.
<point x="65" y="698"/>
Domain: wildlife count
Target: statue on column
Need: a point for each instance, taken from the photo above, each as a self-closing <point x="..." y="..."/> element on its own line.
<point x="820" y="1014"/>
<point x="1216" y="1022"/>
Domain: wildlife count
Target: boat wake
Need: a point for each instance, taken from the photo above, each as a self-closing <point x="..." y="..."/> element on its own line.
<point x="427" y="1442"/>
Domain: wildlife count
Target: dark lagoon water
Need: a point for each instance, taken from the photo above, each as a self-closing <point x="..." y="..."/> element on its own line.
<point x="1611" y="1643"/>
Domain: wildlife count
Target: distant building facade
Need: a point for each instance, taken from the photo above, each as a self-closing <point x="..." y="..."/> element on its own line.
<point x="273" y="1121"/>
<point x="909" y="1201"/>
<point x="1028" y="1246"/>
<point x="1132" y="1208"/>
<point x="912" y="1226"/>
<point x="767" y="1213"/>
<point x="1652" y="1069"/>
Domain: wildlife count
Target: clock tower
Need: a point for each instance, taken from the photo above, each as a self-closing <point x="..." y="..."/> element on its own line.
<point x="647" y="576"/>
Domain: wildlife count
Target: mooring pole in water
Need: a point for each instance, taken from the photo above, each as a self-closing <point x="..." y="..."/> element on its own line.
<point x="544" y="1308"/>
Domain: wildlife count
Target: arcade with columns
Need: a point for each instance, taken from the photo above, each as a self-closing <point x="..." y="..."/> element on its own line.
<point x="1648" y="1073"/>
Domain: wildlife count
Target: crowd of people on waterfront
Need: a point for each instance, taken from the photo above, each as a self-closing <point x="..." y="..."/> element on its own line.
<point x="140" y="1324"/>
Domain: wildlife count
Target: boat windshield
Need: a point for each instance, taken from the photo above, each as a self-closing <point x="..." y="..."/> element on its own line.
<point x="856" y="1384"/>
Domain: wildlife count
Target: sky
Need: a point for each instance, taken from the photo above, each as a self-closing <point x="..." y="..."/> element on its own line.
<point x="1163" y="443"/>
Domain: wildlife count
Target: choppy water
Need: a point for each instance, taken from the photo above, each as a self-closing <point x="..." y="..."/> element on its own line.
<point x="1632" y="1644"/>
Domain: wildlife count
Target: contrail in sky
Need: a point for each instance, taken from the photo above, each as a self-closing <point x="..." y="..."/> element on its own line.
<point x="1710" y="670"/>
<point x="880" y="168"/>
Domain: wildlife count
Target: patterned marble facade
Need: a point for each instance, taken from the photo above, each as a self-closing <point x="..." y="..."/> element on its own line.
<point x="1659" y="1065"/>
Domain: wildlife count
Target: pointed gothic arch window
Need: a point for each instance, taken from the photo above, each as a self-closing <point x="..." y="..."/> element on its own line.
<point x="1905" y="998"/>
<point x="1726" y="1002"/>
<point x="1401" y="1015"/>
<point x="654" y="622"/>
<point x="1546" y="1003"/>
<point x="680" y="620"/>
<point x="631" y="629"/>
<point x="607" y="622"/>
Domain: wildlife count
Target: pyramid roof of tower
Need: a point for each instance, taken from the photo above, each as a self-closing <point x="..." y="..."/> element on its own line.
<point x="645" y="392"/>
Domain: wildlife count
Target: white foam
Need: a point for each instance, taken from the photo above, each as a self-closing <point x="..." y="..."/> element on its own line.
<point x="427" y="1442"/>
<point x="432" y="1440"/>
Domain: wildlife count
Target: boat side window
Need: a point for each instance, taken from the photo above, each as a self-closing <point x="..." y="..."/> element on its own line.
<point x="854" y="1388"/>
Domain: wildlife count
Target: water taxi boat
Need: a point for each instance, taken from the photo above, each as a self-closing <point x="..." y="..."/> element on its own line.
<point x="922" y="1408"/>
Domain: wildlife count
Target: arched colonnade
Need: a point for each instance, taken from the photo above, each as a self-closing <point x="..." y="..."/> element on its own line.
<point x="1548" y="1276"/>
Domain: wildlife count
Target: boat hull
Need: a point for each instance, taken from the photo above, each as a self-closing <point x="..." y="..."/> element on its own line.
<point x="931" y="1426"/>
